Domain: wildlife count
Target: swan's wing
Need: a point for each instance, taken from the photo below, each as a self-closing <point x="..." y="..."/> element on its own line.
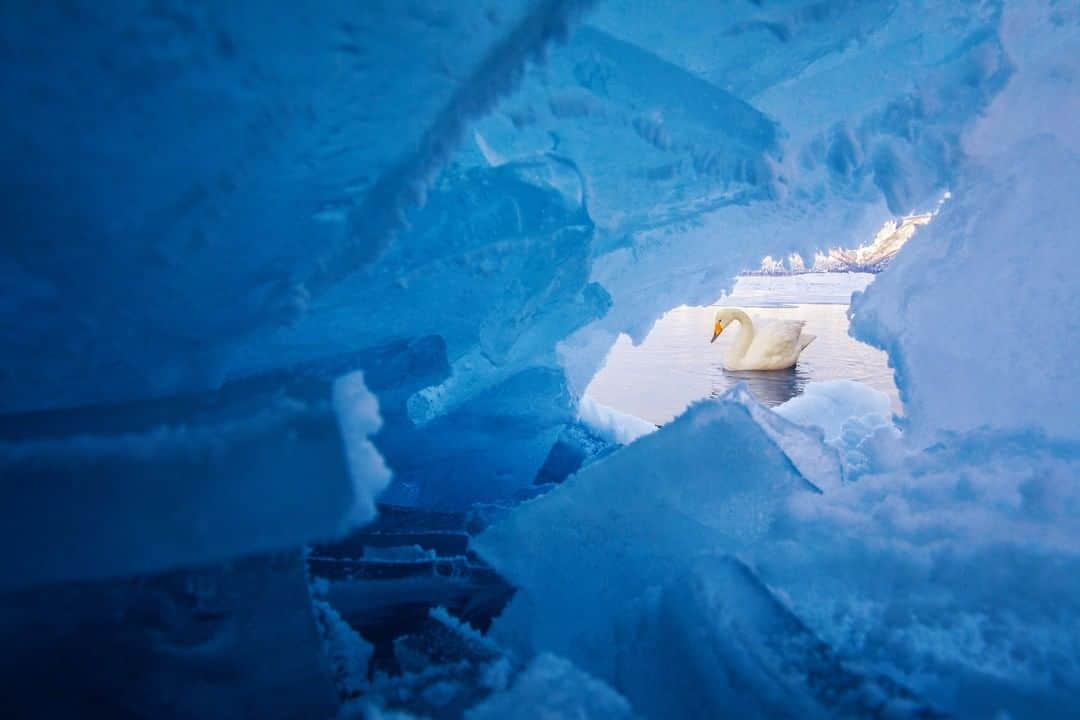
<point x="781" y="333"/>
<point x="775" y="343"/>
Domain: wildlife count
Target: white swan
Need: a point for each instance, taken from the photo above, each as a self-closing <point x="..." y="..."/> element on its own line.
<point x="774" y="346"/>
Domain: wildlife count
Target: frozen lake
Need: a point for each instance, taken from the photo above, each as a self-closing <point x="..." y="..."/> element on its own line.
<point x="677" y="365"/>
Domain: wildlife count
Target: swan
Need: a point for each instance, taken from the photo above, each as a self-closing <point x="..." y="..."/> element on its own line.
<point x="774" y="346"/>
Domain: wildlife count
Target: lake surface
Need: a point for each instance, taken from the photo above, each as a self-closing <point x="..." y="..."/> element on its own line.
<point x="677" y="365"/>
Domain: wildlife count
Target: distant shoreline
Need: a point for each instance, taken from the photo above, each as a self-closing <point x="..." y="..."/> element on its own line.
<point x="810" y="271"/>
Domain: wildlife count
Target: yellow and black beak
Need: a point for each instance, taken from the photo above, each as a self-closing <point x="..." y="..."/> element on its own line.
<point x="717" y="329"/>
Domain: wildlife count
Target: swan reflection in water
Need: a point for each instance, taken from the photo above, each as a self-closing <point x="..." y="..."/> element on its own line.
<point x="771" y="387"/>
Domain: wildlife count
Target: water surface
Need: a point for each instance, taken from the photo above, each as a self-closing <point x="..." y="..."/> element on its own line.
<point x="677" y="365"/>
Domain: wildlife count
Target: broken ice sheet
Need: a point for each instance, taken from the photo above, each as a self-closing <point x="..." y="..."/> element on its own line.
<point x="712" y="481"/>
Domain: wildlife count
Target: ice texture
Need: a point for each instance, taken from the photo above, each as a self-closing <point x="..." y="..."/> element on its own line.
<point x="904" y="584"/>
<point x="855" y="121"/>
<point x="855" y="420"/>
<point x="954" y="572"/>
<point x="358" y="417"/>
<point x="947" y="566"/>
<point x="215" y="216"/>
<point x="516" y="192"/>
<point x="347" y="653"/>
<point x="710" y="481"/>
<point x="265" y="463"/>
<point x="614" y="426"/>
<point x="229" y="640"/>
<point x="715" y="641"/>
<point x="989" y="286"/>
<point x="831" y="405"/>
<point x="194" y="174"/>
<point x="553" y="688"/>
<point x="627" y="569"/>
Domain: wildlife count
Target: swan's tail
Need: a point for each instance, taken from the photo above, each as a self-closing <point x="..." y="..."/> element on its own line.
<point x="805" y="340"/>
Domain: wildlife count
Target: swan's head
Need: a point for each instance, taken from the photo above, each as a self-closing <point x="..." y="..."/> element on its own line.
<point x="724" y="317"/>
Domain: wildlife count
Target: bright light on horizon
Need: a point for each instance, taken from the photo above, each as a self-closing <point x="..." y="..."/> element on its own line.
<point x="870" y="257"/>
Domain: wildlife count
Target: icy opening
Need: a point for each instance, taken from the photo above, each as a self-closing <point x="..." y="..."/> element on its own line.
<point x="676" y="365"/>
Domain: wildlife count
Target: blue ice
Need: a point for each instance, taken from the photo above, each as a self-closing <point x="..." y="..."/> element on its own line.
<point x="269" y="272"/>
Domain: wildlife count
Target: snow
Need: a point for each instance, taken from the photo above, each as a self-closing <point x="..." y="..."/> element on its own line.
<point x="715" y="641"/>
<point x="347" y="652"/>
<point x="358" y="417"/>
<point x="626" y="569"/>
<point x="614" y="426"/>
<point x="955" y="572"/>
<point x="831" y="405"/>
<point x="550" y="689"/>
<point x="975" y="313"/>
<point x="855" y="419"/>
<point x="909" y="573"/>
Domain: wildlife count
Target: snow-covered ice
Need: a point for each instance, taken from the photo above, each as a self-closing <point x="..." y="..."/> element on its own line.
<point x="831" y="405"/>
<point x="614" y="426"/>
<point x="978" y="311"/>
<point x="553" y="688"/>
<point x="262" y="464"/>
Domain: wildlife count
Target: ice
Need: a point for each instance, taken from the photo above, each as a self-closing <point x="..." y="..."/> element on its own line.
<point x="610" y="424"/>
<point x="358" y="417"/>
<point x="588" y="194"/>
<point x="715" y="641"/>
<point x="348" y="654"/>
<point x="451" y="463"/>
<point x="265" y="463"/>
<point x="238" y="639"/>
<point x="626" y="570"/>
<point x="552" y="688"/>
<point x="831" y="405"/>
<point x="578" y="445"/>
<point x="835" y="139"/>
<point x="902" y="584"/>
<point x="986" y="287"/>
<point x="954" y="573"/>
<point x="166" y="266"/>
<point x="854" y="419"/>
<point x="445" y="667"/>
<point x="216" y="217"/>
<point x="710" y="481"/>
<point x="496" y="264"/>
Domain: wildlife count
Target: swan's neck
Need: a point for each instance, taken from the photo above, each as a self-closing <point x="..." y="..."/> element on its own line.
<point x="746" y="334"/>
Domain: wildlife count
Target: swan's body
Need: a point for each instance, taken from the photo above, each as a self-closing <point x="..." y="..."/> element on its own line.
<point x="774" y="345"/>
